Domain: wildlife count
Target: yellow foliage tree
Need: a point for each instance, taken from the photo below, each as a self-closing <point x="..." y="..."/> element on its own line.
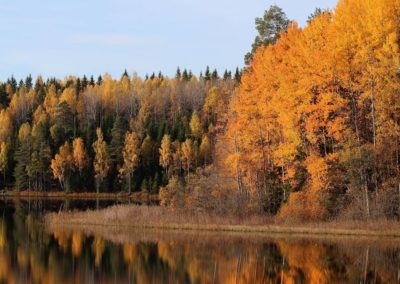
<point x="131" y="155"/>
<point x="81" y="158"/>
<point x="62" y="165"/>
<point x="165" y="153"/>
<point x="101" y="161"/>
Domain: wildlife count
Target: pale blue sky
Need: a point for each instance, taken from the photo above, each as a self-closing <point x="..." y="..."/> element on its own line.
<point x="76" y="37"/>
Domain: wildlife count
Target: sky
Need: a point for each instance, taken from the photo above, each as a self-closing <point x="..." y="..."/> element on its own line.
<point x="93" y="37"/>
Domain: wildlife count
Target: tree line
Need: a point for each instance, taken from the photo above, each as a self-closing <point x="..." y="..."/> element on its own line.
<point x="314" y="128"/>
<point x="309" y="129"/>
<point x="109" y="135"/>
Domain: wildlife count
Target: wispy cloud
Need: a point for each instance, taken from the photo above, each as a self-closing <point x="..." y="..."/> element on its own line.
<point x="111" y="39"/>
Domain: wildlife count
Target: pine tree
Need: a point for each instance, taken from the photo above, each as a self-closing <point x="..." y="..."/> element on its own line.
<point x="99" y="80"/>
<point x="207" y="74"/>
<point x="185" y="75"/>
<point x="23" y="157"/>
<point x="238" y="75"/>
<point x="214" y="75"/>
<point x="269" y="28"/>
<point x="125" y="74"/>
<point x="78" y="85"/>
<point x="28" y="82"/>
<point x="117" y="141"/>
<point x="178" y="74"/>
<point x="91" y="82"/>
<point x="84" y="82"/>
<point x="42" y="152"/>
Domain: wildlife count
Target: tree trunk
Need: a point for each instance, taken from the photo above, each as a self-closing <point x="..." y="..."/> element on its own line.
<point x="97" y="185"/>
<point x="129" y="184"/>
<point x="366" y="196"/>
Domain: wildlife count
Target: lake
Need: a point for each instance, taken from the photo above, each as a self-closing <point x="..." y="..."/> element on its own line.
<point x="29" y="253"/>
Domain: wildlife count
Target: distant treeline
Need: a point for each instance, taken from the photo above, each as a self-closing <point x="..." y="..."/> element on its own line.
<point x="79" y="134"/>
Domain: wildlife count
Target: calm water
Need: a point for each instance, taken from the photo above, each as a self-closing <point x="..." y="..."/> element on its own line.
<point x="30" y="254"/>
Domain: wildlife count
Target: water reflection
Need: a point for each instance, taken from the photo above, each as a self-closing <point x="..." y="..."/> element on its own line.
<point x="29" y="254"/>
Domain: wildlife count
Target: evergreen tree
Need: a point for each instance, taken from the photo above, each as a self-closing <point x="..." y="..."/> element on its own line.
<point x="21" y="85"/>
<point x="207" y="74"/>
<point x="185" y="75"/>
<point x="178" y="74"/>
<point x="13" y="84"/>
<point x="99" y="80"/>
<point x="28" y="82"/>
<point x="78" y="86"/>
<point x="269" y="28"/>
<point x="125" y="74"/>
<point x="214" y="75"/>
<point x="84" y="83"/>
<point x="41" y="164"/>
<point x="23" y="157"/>
<point x="238" y="75"/>
<point x="318" y="12"/>
<point x="91" y="82"/>
<point x="117" y="141"/>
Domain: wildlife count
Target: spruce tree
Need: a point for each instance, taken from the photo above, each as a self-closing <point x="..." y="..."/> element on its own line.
<point x="28" y="82"/>
<point x="78" y="86"/>
<point x="117" y="141"/>
<point x="91" y="82"/>
<point x="178" y="74"/>
<point x="23" y="158"/>
<point x="238" y="75"/>
<point x="214" y="75"/>
<point x="185" y="75"/>
<point x="99" y="80"/>
<point x="207" y="74"/>
<point x="84" y="82"/>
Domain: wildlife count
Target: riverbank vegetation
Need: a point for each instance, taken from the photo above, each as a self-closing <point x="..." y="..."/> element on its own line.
<point x="130" y="217"/>
<point x="309" y="131"/>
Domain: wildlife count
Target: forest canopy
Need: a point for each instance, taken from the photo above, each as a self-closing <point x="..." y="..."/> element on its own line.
<point x="309" y="130"/>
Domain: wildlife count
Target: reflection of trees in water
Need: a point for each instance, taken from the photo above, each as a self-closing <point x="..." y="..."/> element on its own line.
<point x="27" y="254"/>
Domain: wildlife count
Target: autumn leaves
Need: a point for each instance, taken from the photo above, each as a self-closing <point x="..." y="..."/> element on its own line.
<point x="315" y="105"/>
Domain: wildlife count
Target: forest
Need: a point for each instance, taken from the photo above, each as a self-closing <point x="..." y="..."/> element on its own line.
<point x="308" y="130"/>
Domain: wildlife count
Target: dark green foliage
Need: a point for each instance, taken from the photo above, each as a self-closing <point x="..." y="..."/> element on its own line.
<point x="4" y="99"/>
<point x="214" y="75"/>
<point x="207" y="74"/>
<point x="23" y="159"/>
<point x="117" y="141"/>
<point x="178" y="74"/>
<point x="91" y="82"/>
<point x="84" y="82"/>
<point x="269" y="28"/>
<point x="238" y="75"/>
<point x="28" y="82"/>
<point x="30" y="160"/>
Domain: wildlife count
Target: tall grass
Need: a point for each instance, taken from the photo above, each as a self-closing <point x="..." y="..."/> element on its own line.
<point x="156" y="217"/>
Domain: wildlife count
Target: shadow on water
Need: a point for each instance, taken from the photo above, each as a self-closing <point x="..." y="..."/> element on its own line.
<point x="30" y="254"/>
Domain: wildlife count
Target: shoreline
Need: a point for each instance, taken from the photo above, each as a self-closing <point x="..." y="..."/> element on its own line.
<point x="60" y="195"/>
<point x="130" y="217"/>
